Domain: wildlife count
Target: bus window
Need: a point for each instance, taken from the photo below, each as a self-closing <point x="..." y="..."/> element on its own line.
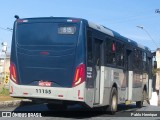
<point x="120" y="54"/>
<point x="29" y="34"/>
<point x="90" y="71"/>
<point x="110" y="52"/>
<point x="144" y="61"/>
<point x="97" y="52"/>
<point x="89" y="47"/>
<point x="137" y="58"/>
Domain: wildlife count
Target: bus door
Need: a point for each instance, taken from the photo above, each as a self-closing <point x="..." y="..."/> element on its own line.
<point x="94" y="50"/>
<point x="89" y="98"/>
<point x="97" y="62"/>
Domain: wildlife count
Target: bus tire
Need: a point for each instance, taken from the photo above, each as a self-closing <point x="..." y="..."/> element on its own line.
<point x="139" y="104"/>
<point x="112" y="108"/>
<point x="57" y="107"/>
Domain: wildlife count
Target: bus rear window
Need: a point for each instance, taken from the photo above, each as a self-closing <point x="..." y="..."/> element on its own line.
<point x="46" y="34"/>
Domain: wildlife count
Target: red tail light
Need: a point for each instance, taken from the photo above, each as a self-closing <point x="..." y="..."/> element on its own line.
<point x="13" y="73"/>
<point x="79" y="75"/>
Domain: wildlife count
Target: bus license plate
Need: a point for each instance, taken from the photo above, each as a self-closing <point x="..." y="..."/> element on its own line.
<point x="43" y="91"/>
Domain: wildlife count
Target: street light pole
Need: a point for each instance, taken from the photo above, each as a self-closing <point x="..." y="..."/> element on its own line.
<point x="141" y="27"/>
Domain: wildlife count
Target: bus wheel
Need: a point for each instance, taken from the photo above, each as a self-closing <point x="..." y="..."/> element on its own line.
<point x="139" y="104"/>
<point x="57" y="107"/>
<point x="112" y="108"/>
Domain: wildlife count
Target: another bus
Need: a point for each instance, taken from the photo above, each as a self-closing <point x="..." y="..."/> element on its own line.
<point x="64" y="61"/>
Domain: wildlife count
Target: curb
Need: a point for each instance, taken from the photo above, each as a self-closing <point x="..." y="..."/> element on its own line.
<point x="14" y="103"/>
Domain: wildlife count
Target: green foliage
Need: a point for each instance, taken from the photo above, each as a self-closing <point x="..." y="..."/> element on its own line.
<point x="4" y="91"/>
<point x="154" y="71"/>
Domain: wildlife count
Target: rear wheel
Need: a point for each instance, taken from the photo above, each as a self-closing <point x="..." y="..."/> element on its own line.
<point x="57" y="107"/>
<point x="112" y="108"/>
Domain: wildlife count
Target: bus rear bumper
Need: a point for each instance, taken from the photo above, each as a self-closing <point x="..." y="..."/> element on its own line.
<point x="55" y="93"/>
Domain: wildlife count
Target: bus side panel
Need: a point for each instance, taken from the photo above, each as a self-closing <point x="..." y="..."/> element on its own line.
<point x="114" y="76"/>
<point x="107" y="85"/>
<point x="135" y="96"/>
<point x="137" y="87"/>
<point x="89" y="97"/>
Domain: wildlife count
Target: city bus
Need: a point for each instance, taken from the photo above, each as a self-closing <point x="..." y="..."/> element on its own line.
<point x="65" y="61"/>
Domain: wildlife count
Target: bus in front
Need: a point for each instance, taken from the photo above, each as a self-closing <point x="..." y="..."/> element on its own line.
<point x="48" y="60"/>
<point x="66" y="61"/>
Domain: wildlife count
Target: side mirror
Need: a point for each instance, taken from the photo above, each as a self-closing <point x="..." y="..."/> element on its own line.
<point x="155" y="64"/>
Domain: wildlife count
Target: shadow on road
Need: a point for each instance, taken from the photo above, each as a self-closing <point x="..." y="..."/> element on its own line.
<point x="77" y="112"/>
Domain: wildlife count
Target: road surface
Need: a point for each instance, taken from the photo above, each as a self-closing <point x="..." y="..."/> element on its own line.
<point x="77" y="112"/>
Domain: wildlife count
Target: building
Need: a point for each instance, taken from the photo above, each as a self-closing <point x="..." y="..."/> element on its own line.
<point x="158" y="69"/>
<point x="4" y="62"/>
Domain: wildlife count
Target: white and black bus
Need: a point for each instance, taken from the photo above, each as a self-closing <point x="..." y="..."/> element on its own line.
<point x="65" y="61"/>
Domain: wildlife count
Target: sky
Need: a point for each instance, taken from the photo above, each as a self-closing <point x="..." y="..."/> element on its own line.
<point x="121" y="16"/>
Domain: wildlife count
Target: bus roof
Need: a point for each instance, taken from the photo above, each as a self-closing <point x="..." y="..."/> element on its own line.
<point x="116" y="35"/>
<point x="91" y="24"/>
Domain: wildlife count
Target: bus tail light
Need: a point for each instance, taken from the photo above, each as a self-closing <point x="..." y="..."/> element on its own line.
<point x="13" y="73"/>
<point x="79" y="75"/>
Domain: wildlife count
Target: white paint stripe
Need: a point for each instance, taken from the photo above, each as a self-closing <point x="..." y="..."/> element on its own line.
<point x="102" y="84"/>
<point x="130" y="85"/>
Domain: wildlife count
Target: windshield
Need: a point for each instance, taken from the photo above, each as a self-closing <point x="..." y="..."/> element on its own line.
<point x="47" y="34"/>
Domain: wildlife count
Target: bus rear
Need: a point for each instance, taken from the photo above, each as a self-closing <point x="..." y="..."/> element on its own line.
<point x="48" y="59"/>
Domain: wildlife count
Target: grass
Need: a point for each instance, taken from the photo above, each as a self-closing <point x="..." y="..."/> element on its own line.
<point x="4" y="92"/>
<point x="5" y="96"/>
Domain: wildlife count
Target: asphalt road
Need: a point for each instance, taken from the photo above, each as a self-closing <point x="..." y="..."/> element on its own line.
<point x="77" y="112"/>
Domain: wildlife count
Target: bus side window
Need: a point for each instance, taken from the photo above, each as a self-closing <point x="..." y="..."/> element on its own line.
<point x="89" y="47"/>
<point x="110" y="52"/>
<point x="145" y="61"/>
<point x="120" y="54"/>
<point x="90" y="71"/>
<point x="97" y="52"/>
<point x="137" y="58"/>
